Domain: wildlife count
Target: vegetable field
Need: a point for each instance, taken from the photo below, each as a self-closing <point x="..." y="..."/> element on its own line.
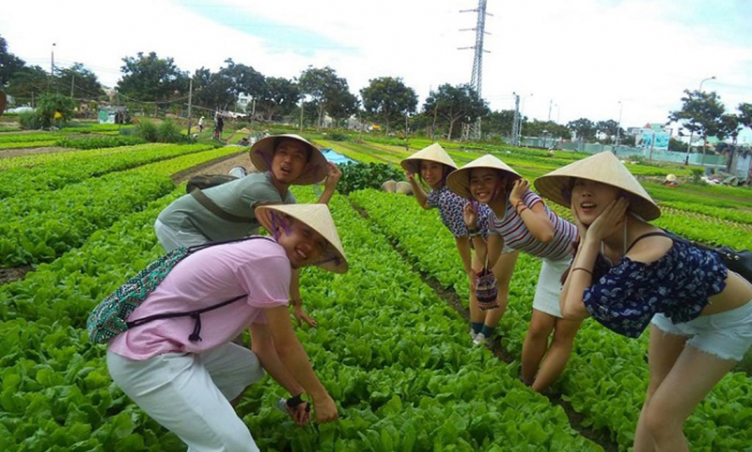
<point x="392" y="352"/>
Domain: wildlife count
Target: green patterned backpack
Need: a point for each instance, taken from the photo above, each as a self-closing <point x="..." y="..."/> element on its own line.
<point x="110" y="317"/>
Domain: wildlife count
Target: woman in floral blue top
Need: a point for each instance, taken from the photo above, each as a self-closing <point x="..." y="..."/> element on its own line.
<point x="433" y="165"/>
<point x="699" y="312"/>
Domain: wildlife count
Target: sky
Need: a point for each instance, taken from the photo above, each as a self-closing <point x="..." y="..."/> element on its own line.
<point x="597" y="59"/>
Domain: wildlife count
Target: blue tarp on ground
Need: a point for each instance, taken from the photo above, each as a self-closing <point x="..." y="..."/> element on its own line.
<point x="335" y="157"/>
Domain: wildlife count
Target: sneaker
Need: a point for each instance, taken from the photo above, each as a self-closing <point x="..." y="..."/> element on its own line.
<point x="472" y="334"/>
<point x="480" y="339"/>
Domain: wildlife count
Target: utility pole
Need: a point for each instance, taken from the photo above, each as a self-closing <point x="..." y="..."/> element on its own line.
<point x="52" y="67"/>
<point x="476" y="80"/>
<point x="253" y="111"/>
<point x="515" y="122"/>
<point x="72" y="83"/>
<point x="190" y="105"/>
<point x="301" y="116"/>
<point x="618" y="126"/>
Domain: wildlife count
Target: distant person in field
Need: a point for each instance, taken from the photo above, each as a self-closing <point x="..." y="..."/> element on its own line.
<point x="521" y="221"/>
<point x="219" y="126"/>
<point x="188" y="375"/>
<point x="432" y="165"/>
<point x="282" y="161"/>
<point x="201" y="124"/>
<point x="629" y="274"/>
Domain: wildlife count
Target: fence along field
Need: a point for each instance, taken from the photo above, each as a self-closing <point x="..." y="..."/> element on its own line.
<point x="394" y="355"/>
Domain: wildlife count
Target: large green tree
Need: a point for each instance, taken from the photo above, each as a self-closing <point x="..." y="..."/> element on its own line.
<point x="610" y="128"/>
<point x="325" y="89"/>
<point x="243" y="79"/>
<point x="9" y="63"/>
<point x="583" y="127"/>
<point x="153" y="79"/>
<point x="213" y="90"/>
<point x="278" y="96"/>
<point x="545" y="129"/>
<point x="455" y="105"/>
<point x="700" y="114"/>
<point x="745" y="114"/>
<point x="498" y="123"/>
<point x="83" y="83"/>
<point x="388" y="100"/>
<point x="28" y="84"/>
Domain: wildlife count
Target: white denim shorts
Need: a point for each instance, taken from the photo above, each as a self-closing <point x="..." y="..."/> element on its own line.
<point x="548" y="289"/>
<point x="727" y="335"/>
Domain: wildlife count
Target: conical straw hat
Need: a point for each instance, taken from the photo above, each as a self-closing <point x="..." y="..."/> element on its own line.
<point x="459" y="181"/>
<point x="433" y="153"/>
<point x="318" y="217"/>
<point x="605" y="168"/>
<point x="243" y="130"/>
<point x="262" y="153"/>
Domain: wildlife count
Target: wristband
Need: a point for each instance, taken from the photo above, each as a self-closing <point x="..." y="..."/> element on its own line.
<point x="583" y="269"/>
<point x="517" y="204"/>
<point x="473" y="231"/>
<point x="524" y="208"/>
<point x="294" y="401"/>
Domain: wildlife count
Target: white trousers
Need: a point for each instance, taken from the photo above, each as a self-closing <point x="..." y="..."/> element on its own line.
<point x="190" y="394"/>
<point x="171" y="239"/>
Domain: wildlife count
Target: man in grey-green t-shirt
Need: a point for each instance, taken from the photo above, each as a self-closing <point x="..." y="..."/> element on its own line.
<point x="282" y="160"/>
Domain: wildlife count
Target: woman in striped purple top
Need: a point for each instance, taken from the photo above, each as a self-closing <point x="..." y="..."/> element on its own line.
<point x="520" y="220"/>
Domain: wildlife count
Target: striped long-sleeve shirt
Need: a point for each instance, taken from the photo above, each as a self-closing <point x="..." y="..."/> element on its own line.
<point x="517" y="236"/>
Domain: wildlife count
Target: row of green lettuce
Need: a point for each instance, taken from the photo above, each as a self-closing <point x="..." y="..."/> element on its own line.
<point x="55" y="175"/>
<point x="40" y="226"/>
<point x="395" y="358"/>
<point x="606" y="378"/>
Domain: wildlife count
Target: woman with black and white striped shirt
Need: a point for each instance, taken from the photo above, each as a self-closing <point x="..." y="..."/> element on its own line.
<point x="521" y="221"/>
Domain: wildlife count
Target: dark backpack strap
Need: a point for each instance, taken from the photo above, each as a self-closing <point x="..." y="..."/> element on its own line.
<point x="649" y="234"/>
<point x="194" y="248"/>
<point x="195" y="314"/>
<point x="212" y="207"/>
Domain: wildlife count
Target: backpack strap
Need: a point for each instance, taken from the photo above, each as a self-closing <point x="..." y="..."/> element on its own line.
<point x="649" y="234"/>
<point x="212" y="207"/>
<point x="195" y="314"/>
<point x="194" y="248"/>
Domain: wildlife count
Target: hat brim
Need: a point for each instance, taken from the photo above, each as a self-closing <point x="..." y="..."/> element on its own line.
<point x="335" y="261"/>
<point x="432" y="153"/>
<point x="315" y="170"/>
<point x="459" y="180"/>
<point x="601" y="168"/>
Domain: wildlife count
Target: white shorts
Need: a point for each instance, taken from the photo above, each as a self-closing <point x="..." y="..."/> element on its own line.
<point x="549" y="286"/>
<point x="727" y="335"/>
<point x="190" y="394"/>
<point x="171" y="239"/>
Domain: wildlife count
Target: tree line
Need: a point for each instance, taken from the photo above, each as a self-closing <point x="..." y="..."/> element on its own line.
<point x="320" y="92"/>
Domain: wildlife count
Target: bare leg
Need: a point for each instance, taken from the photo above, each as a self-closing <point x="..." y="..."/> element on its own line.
<point x="503" y="271"/>
<point x="536" y="344"/>
<point x="686" y="385"/>
<point x="558" y="353"/>
<point x="476" y="315"/>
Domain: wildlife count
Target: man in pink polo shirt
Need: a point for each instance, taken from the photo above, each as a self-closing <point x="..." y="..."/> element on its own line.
<point x="185" y="372"/>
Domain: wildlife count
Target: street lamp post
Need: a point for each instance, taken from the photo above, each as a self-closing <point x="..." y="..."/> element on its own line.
<point x="52" y="67"/>
<point x="692" y="132"/>
<point x="522" y="108"/>
<point x="618" y="125"/>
